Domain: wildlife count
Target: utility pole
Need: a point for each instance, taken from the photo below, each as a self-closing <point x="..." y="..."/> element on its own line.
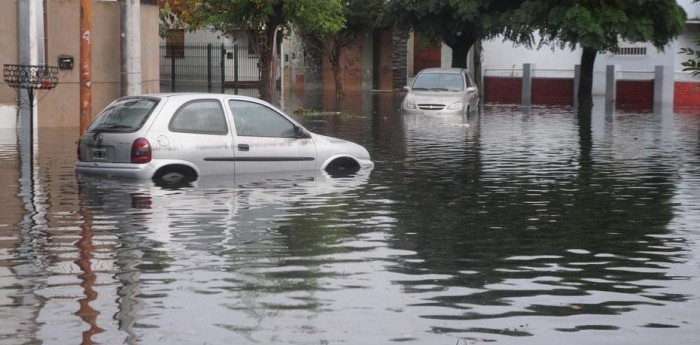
<point x="85" y="64"/>
<point x="131" y="48"/>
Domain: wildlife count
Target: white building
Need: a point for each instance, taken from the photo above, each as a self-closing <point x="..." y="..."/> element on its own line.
<point x="634" y="61"/>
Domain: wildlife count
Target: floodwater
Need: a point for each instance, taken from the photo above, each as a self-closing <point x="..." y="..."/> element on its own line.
<point x="517" y="227"/>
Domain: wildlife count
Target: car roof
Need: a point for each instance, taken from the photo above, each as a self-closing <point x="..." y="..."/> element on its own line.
<point x="194" y="95"/>
<point x="442" y="70"/>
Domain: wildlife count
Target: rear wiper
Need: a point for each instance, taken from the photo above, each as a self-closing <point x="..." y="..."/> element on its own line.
<point x="106" y="128"/>
<point x="112" y="127"/>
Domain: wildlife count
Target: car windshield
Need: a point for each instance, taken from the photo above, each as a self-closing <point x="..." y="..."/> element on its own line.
<point x="125" y="115"/>
<point x="439" y="82"/>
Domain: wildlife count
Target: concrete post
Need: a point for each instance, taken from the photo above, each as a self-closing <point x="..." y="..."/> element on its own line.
<point x="131" y="47"/>
<point x="527" y="84"/>
<point x="610" y="86"/>
<point x="663" y="85"/>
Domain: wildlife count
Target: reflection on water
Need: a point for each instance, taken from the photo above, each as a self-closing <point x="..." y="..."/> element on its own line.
<point x="515" y="227"/>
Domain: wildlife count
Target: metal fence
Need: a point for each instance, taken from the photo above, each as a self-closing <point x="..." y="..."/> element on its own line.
<point x="208" y="67"/>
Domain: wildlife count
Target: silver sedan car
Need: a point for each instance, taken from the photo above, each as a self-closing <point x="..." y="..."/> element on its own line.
<point x="179" y="137"/>
<point x="441" y="91"/>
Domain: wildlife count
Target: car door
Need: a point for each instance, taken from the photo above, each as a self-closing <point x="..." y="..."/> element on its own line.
<point x="198" y="133"/>
<point x="268" y="141"/>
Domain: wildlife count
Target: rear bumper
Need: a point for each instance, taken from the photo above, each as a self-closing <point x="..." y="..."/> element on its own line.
<point x="126" y="170"/>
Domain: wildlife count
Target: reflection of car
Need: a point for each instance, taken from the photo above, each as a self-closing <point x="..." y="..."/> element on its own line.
<point x="441" y="91"/>
<point x="177" y="137"/>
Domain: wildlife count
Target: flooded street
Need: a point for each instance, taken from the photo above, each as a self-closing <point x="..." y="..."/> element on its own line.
<point x="517" y="227"/>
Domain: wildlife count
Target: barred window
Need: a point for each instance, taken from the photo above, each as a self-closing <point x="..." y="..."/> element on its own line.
<point x="631" y="51"/>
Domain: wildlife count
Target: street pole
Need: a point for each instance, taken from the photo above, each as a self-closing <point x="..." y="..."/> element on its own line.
<point x="131" y="48"/>
<point x="85" y="64"/>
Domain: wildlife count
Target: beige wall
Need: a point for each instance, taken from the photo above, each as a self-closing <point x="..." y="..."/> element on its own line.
<point x="60" y="107"/>
<point x="8" y="47"/>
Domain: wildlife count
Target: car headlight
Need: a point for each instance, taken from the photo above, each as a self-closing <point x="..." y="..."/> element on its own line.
<point x="455" y="106"/>
<point x="409" y="104"/>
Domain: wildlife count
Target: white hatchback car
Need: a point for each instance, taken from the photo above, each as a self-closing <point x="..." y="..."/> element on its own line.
<point x="441" y="91"/>
<point x="179" y="137"/>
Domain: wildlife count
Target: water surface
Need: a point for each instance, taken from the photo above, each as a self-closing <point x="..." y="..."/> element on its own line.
<point x="515" y="227"/>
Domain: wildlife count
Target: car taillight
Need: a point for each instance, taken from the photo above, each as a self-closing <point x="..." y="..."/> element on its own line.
<point x="141" y="151"/>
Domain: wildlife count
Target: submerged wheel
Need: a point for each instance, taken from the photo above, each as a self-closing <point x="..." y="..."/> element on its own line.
<point x="174" y="175"/>
<point x="342" y="167"/>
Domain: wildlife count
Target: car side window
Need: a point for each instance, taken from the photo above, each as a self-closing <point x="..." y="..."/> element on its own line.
<point x="257" y="120"/>
<point x="202" y="116"/>
<point x="469" y="80"/>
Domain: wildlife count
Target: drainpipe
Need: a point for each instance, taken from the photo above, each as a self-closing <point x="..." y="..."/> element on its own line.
<point x="131" y="48"/>
<point x="85" y="64"/>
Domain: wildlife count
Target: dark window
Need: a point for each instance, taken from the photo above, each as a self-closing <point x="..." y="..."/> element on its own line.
<point x="125" y="115"/>
<point x="205" y="117"/>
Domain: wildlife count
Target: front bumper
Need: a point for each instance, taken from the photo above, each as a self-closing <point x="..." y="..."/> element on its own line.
<point x="432" y="112"/>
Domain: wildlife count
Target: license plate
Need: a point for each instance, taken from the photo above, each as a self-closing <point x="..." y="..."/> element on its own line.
<point x="99" y="154"/>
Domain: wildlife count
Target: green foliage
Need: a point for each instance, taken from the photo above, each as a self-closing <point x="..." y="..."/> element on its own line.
<point x="322" y="18"/>
<point x="260" y="20"/>
<point x="693" y="63"/>
<point x="601" y="25"/>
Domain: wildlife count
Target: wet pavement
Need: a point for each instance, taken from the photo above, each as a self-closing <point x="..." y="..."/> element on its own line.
<point x="516" y="227"/>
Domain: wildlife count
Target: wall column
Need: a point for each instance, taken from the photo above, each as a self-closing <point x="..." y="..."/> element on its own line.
<point x="610" y="85"/>
<point x="663" y="85"/>
<point x="528" y="70"/>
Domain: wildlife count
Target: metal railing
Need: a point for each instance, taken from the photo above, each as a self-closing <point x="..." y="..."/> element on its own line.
<point x="207" y="67"/>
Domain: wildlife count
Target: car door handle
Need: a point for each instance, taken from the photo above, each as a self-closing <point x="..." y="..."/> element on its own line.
<point x="243" y="147"/>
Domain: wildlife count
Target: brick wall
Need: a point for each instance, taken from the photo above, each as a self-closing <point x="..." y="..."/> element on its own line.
<point x="503" y="90"/>
<point x="425" y="54"/>
<point x="553" y="91"/>
<point x="635" y="94"/>
<point x="630" y="94"/>
<point x="686" y="94"/>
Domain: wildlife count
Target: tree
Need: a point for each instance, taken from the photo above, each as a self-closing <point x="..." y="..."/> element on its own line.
<point x="599" y="26"/>
<point x="693" y="63"/>
<point x="262" y="20"/>
<point x="458" y="23"/>
<point x="361" y="17"/>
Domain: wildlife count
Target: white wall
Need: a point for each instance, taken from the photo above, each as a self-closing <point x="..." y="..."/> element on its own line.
<point x="505" y="59"/>
<point x="8" y="116"/>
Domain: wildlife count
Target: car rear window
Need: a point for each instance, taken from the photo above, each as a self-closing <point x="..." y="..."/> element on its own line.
<point x="125" y="115"/>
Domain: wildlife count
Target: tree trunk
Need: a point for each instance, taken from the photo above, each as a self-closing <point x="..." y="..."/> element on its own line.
<point x="476" y="60"/>
<point x="460" y="46"/>
<point x="267" y="63"/>
<point x="335" y="65"/>
<point x="334" y="59"/>
<point x="585" y="86"/>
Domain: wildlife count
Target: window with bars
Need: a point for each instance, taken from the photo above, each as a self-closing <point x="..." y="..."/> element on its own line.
<point x="631" y="51"/>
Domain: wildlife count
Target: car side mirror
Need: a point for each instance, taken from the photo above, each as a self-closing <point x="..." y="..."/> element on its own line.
<point x="471" y="89"/>
<point x="407" y="88"/>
